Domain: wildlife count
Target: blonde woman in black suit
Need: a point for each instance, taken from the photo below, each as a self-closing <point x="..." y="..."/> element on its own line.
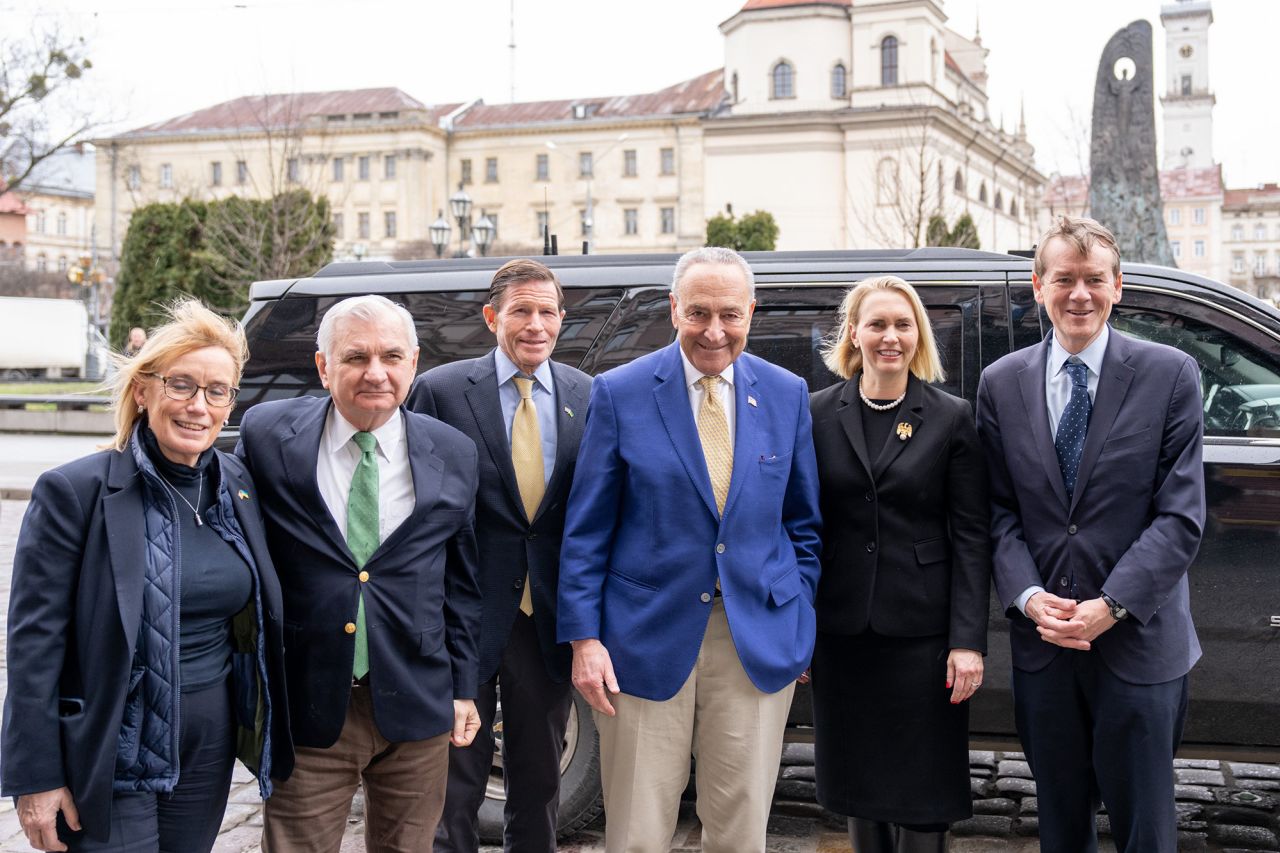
<point x="902" y="603"/>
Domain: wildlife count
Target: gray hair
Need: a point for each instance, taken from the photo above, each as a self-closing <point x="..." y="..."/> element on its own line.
<point x="712" y="255"/>
<point x="371" y="308"/>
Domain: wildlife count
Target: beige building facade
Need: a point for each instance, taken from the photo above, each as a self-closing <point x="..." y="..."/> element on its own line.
<point x="1251" y="240"/>
<point x="58" y="197"/>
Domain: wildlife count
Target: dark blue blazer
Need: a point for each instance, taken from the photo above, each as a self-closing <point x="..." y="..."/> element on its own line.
<point x="464" y="395"/>
<point x="422" y="601"/>
<point x="75" y="606"/>
<point x="1133" y="525"/>
<point x="644" y="543"/>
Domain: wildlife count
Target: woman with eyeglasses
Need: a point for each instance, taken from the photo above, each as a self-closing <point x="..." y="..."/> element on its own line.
<point x="145" y="647"/>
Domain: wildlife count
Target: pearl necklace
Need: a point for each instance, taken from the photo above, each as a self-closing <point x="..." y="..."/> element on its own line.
<point x="878" y="407"/>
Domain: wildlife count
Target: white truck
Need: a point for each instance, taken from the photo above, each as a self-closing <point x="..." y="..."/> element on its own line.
<point x="48" y="338"/>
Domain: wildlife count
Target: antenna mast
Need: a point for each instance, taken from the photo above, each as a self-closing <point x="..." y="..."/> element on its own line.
<point x="512" y="47"/>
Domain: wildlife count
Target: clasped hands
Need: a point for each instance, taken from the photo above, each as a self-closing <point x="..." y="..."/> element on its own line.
<point x="1067" y="623"/>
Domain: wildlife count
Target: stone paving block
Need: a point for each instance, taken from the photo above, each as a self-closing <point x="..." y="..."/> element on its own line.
<point x="1197" y="793"/>
<point x="240" y="775"/>
<point x="1253" y="800"/>
<point x="797" y="753"/>
<point x="235" y="815"/>
<point x="795" y="789"/>
<point x="1025" y="787"/>
<point x="245" y="794"/>
<point x="981" y="772"/>
<point x="1021" y="769"/>
<point x="1103" y="822"/>
<point x="1027" y="826"/>
<point x="1244" y="770"/>
<point x="995" y="805"/>
<point x="980" y="787"/>
<point x="1010" y="756"/>
<point x="1029" y="806"/>
<point x="1199" y="776"/>
<point x="1188" y="811"/>
<point x="981" y="758"/>
<point x="1258" y="784"/>
<point x="1192" y="842"/>
<point x="1197" y="764"/>
<point x="798" y="771"/>
<point x="1252" y="836"/>
<point x="242" y="839"/>
<point x="983" y="824"/>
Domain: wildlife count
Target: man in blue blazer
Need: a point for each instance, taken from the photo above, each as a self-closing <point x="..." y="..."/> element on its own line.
<point x="525" y="474"/>
<point x="1097" y="489"/>
<point x="689" y="568"/>
<point x="370" y="519"/>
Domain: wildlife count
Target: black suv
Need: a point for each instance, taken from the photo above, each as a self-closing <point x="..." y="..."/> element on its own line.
<point x="981" y="307"/>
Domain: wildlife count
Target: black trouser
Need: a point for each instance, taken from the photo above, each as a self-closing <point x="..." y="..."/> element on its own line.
<point x="1090" y="735"/>
<point x="535" y="710"/>
<point x="186" y="821"/>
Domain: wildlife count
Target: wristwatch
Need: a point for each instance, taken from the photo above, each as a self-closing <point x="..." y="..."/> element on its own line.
<point x="1118" y="612"/>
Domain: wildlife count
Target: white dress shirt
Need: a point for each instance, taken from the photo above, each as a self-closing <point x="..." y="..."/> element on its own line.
<point x="337" y="460"/>
<point x="544" y="403"/>
<point x="693" y="383"/>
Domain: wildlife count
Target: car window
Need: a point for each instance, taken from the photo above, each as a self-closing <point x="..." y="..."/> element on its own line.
<point x="1239" y="366"/>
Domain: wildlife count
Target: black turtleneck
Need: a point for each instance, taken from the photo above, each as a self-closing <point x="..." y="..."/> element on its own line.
<point x="215" y="581"/>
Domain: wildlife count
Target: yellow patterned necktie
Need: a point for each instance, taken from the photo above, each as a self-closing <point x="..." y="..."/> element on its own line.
<point x="526" y="458"/>
<point x="713" y="430"/>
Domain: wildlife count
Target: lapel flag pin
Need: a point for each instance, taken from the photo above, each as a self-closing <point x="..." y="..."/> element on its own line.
<point x="904" y="431"/>
<point x="243" y="495"/>
<point x="751" y="401"/>
<point x="568" y="411"/>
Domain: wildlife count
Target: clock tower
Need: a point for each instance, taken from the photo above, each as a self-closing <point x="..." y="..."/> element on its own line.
<point x="1188" y="101"/>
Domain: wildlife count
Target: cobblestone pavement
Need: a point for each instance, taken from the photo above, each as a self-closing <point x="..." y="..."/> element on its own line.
<point x="1231" y="807"/>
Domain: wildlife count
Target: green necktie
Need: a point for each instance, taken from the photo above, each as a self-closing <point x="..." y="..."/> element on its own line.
<point x="362" y="533"/>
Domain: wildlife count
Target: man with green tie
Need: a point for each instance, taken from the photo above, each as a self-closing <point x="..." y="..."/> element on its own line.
<point x="370" y="513"/>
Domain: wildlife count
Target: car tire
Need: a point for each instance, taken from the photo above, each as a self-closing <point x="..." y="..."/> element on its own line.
<point x="581" y="799"/>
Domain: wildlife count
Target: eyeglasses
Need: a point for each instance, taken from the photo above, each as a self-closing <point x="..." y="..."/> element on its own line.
<point x="182" y="388"/>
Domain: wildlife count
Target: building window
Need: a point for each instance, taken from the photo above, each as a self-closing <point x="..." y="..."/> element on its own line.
<point x="134" y="181"/>
<point x="668" y="161"/>
<point x="337" y="226"/>
<point x="999" y="200"/>
<point x="1197" y="215"/>
<point x="1175" y="216"/>
<point x="1237" y="232"/>
<point x="166" y="176"/>
<point x="338" y="166"/>
<point x="62" y="224"/>
<point x="1013" y="208"/>
<point x="959" y="182"/>
<point x="586" y="165"/>
<point x="543" y="222"/>
<point x="291" y="169"/>
<point x="362" y="168"/>
<point x="363" y="224"/>
<point x="839" y="81"/>
<point x="1186" y="84"/>
<point x="543" y="167"/>
<point x="889" y="61"/>
<point x="1237" y="261"/>
<point x="668" y="220"/>
<point x="389" y="167"/>
<point x="982" y="192"/>
<point x="42" y="263"/>
<point x="630" y="221"/>
<point x="40" y="223"/>
<point x="491" y="170"/>
<point x="1176" y="246"/>
<point x="1259" y="264"/>
<point x="783" y="81"/>
<point x="629" y="163"/>
<point x="62" y="263"/>
<point x="215" y="173"/>
<point x="1259" y="232"/>
<point x="242" y="172"/>
<point x="1198" y="248"/>
<point x="389" y="224"/>
<point x="466" y="172"/>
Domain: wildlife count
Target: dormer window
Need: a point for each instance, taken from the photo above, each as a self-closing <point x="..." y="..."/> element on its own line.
<point x="839" y="81"/>
<point x="585" y="110"/>
<point x="889" y="61"/>
<point x="783" y="81"/>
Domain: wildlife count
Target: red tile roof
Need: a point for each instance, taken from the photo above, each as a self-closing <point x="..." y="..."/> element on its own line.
<point x="1265" y="194"/>
<point x="10" y="203"/>
<point x="775" y="4"/>
<point x="699" y="95"/>
<point x="1190" y="183"/>
<point x="277" y="111"/>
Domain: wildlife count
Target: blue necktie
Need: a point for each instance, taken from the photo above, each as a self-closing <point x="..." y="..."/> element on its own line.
<point x="1074" y="424"/>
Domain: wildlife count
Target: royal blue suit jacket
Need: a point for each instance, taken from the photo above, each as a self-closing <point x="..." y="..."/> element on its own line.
<point x="422" y="599"/>
<point x="644" y="544"/>
<point x="1134" y="523"/>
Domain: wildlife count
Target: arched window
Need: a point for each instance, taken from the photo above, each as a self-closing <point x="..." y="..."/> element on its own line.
<point x="889" y="61"/>
<point x="959" y="182"/>
<point x="839" y="81"/>
<point x="999" y="200"/>
<point x="1013" y="208"/>
<point x="784" y="82"/>
<point x="982" y="192"/>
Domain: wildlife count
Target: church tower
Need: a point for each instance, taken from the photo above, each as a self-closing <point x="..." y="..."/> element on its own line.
<point x="1188" y="101"/>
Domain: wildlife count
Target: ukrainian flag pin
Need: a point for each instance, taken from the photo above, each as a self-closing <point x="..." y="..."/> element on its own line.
<point x="568" y="411"/>
<point x="243" y="495"/>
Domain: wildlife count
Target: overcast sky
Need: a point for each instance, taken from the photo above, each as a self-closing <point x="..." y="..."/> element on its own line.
<point x="154" y="59"/>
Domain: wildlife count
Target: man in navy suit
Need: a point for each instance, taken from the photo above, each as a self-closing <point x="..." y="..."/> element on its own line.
<point x="1097" y="488"/>
<point x="689" y="567"/>
<point x="369" y="513"/>
<point x="526" y="468"/>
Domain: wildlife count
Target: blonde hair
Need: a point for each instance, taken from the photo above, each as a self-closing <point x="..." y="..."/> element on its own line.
<point x="189" y="326"/>
<point x="845" y="360"/>
<point x="1082" y="234"/>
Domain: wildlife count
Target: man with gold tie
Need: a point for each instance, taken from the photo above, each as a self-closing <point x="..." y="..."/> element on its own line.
<point x="369" y="516"/>
<point x="525" y="414"/>
<point x="689" y="567"/>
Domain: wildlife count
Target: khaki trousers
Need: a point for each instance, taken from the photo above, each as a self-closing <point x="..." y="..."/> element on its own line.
<point x="731" y="728"/>
<point x="404" y="786"/>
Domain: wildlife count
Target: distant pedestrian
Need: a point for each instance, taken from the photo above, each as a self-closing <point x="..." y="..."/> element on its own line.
<point x="906" y="570"/>
<point x="145" y="644"/>
<point x="133" y="346"/>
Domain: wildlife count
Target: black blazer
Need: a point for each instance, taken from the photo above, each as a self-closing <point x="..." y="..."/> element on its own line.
<point x="75" y="605"/>
<point x="464" y="395"/>
<point x="905" y="546"/>
<point x="422" y="601"/>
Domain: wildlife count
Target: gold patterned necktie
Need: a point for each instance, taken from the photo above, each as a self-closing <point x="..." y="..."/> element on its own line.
<point x="713" y="430"/>
<point x="526" y="458"/>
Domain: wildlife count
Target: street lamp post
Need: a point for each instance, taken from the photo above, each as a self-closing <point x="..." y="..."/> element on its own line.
<point x="481" y="233"/>
<point x="86" y="273"/>
<point x="439" y="234"/>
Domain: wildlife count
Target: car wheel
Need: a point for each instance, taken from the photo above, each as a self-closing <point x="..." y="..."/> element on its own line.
<point x="581" y="800"/>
